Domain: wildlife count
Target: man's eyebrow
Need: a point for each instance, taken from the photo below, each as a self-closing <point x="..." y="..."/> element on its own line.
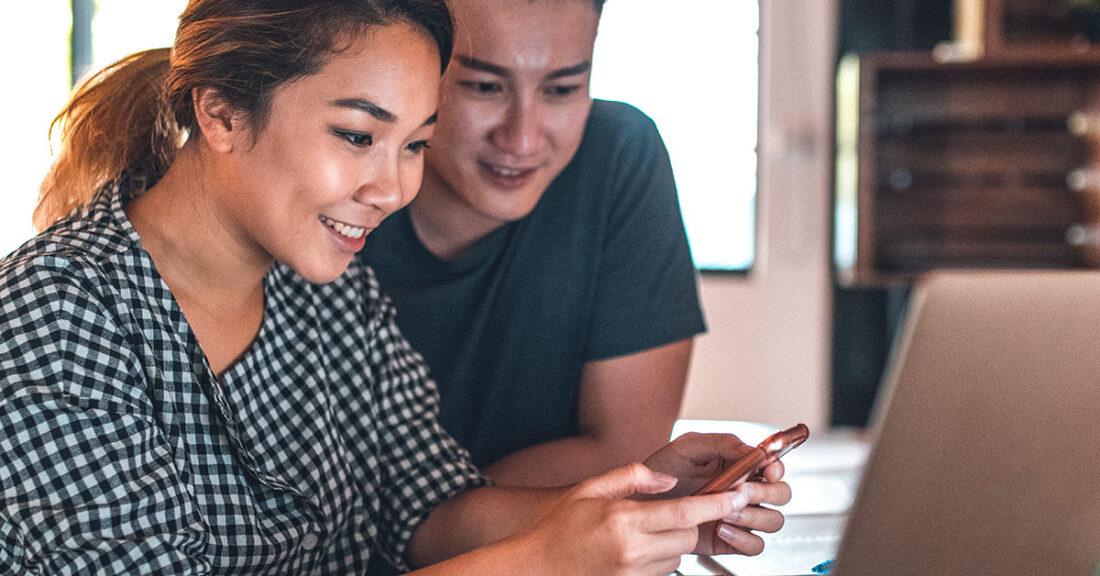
<point x="368" y="107"/>
<point x="483" y="66"/>
<point x="570" y="70"/>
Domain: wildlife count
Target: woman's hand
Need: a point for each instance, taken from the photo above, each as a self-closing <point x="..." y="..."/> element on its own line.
<point x="697" y="458"/>
<point x="595" y="529"/>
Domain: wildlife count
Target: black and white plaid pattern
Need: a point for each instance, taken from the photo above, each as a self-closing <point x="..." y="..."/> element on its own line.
<point x="121" y="454"/>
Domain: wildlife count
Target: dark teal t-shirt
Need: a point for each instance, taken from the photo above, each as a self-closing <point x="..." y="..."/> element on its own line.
<point x="600" y="268"/>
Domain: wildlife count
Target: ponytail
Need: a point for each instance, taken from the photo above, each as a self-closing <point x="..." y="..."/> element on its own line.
<point x="136" y="113"/>
<point x="117" y="120"/>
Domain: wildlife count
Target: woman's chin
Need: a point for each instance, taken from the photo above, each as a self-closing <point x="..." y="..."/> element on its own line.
<point x="319" y="273"/>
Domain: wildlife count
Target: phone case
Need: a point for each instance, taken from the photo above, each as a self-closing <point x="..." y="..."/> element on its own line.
<point x="771" y="449"/>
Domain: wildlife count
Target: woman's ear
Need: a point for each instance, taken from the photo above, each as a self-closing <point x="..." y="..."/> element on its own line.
<point x="221" y="124"/>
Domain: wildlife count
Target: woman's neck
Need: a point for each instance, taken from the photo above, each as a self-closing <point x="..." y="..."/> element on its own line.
<point x="214" y="272"/>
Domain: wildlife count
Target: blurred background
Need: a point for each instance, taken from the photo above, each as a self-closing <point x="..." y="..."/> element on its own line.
<point x="828" y="154"/>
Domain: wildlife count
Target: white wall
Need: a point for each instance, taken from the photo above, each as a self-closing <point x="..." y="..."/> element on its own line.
<point x="766" y="356"/>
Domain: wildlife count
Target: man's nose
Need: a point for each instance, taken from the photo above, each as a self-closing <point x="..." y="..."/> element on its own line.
<point x="520" y="133"/>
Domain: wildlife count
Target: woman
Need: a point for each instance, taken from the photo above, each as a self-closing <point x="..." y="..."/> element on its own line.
<point x="195" y="382"/>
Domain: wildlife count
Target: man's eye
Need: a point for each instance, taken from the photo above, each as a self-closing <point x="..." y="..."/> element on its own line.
<point x="482" y="87"/>
<point x="562" y="91"/>
<point x="356" y="139"/>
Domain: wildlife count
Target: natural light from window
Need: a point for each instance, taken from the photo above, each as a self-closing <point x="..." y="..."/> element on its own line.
<point x="35" y="52"/>
<point x="694" y="71"/>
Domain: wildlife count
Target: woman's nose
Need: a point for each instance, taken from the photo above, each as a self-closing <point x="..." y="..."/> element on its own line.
<point x="382" y="189"/>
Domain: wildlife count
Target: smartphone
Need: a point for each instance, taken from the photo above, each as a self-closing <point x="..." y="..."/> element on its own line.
<point x="758" y="458"/>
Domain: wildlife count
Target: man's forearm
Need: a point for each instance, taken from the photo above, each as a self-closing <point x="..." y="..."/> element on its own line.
<point x="569" y="460"/>
<point x="626" y="410"/>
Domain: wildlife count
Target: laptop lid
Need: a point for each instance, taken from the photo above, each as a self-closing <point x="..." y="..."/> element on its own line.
<point x="986" y="457"/>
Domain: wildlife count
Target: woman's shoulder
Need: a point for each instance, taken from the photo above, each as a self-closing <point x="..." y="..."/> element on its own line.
<point x="54" y="294"/>
<point x="44" y="265"/>
<point x="88" y="233"/>
<point x="54" y="257"/>
<point x="80" y="262"/>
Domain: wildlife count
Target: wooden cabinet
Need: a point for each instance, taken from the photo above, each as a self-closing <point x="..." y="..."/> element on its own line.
<point x="990" y="163"/>
<point x="1029" y="25"/>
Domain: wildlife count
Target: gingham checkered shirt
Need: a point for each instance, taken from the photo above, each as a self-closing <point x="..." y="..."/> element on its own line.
<point x="121" y="454"/>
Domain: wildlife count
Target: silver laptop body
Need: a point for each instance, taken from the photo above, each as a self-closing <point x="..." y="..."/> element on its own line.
<point x="986" y="457"/>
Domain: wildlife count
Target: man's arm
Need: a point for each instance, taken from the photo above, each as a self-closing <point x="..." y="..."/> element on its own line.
<point x="627" y="407"/>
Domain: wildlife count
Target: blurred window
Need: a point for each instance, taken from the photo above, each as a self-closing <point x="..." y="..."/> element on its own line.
<point x="692" y="67"/>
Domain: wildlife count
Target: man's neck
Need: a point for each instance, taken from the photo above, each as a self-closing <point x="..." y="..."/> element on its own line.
<point x="444" y="223"/>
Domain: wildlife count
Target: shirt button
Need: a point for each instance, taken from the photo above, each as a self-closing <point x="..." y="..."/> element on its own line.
<point x="309" y="542"/>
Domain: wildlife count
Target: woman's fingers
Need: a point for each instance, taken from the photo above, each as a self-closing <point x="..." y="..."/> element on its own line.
<point x="774" y="471"/>
<point x="757" y="518"/>
<point x="691" y="511"/>
<point x="774" y="493"/>
<point x="703" y="448"/>
<point x="655" y="533"/>
<point x="672" y="543"/>
<point x="625" y="481"/>
<point x="733" y="540"/>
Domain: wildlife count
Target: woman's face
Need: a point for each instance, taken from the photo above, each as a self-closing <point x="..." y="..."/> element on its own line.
<point x="514" y="103"/>
<point x="340" y="151"/>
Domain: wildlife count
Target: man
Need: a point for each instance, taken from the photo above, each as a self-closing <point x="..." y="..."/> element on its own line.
<point x="543" y="269"/>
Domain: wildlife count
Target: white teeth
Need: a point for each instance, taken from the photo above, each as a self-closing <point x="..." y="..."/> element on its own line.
<point x="345" y="230"/>
<point x="507" y="171"/>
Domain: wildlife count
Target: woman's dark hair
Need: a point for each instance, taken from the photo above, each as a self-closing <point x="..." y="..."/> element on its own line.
<point x="136" y="113"/>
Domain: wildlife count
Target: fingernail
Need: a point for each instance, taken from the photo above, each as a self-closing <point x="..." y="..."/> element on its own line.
<point x="665" y="479"/>
<point x="739" y="499"/>
<point x="726" y="533"/>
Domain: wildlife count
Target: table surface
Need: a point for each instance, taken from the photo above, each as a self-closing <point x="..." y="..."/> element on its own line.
<point x="823" y="473"/>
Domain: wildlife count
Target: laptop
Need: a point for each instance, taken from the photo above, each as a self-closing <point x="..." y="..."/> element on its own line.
<point x="986" y="436"/>
<point x="985" y="442"/>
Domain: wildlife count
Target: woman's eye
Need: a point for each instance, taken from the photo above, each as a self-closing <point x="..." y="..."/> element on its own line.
<point x="418" y="146"/>
<point x="356" y="139"/>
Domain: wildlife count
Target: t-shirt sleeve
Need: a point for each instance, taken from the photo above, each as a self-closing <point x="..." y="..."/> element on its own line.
<point x="421" y="464"/>
<point x="647" y="294"/>
<point x="89" y="484"/>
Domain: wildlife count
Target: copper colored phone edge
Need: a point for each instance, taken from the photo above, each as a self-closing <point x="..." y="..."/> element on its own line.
<point x="771" y="449"/>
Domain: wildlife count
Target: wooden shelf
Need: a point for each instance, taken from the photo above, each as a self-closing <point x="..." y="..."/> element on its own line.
<point x="965" y="164"/>
<point x="1030" y="26"/>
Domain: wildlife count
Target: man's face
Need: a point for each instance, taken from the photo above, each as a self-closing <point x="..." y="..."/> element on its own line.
<point x="513" y="105"/>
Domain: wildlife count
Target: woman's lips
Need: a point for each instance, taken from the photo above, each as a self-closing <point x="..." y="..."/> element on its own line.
<point x="348" y="237"/>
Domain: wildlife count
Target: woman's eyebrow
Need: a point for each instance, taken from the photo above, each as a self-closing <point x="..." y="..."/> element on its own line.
<point x="367" y="106"/>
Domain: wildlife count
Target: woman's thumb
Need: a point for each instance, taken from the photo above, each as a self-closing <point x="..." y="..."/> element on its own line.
<point x="626" y="481"/>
